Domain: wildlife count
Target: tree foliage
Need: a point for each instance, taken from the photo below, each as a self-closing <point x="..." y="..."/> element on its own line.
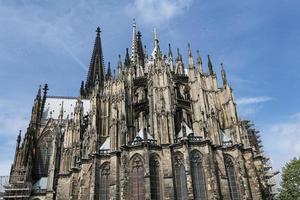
<point x="290" y="185"/>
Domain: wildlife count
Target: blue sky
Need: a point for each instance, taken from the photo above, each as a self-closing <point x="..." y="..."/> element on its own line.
<point x="47" y="41"/>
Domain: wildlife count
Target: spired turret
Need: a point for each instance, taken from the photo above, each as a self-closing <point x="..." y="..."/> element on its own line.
<point x="152" y="130"/>
<point x="97" y="67"/>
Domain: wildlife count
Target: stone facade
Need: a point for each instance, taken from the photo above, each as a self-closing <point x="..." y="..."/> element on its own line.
<point x="155" y="129"/>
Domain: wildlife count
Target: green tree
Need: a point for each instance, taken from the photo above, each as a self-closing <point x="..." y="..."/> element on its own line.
<point x="290" y="185"/>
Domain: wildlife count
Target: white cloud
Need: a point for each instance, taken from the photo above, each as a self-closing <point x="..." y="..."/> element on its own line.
<point x="156" y="11"/>
<point x="253" y="100"/>
<point x="282" y="141"/>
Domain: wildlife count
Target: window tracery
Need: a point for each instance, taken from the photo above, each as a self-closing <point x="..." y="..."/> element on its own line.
<point x="231" y="176"/>
<point x="137" y="178"/>
<point x="180" y="177"/>
<point x="198" y="177"/>
<point x="154" y="178"/>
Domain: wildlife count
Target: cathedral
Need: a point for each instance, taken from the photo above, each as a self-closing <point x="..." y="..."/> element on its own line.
<point x="155" y="128"/>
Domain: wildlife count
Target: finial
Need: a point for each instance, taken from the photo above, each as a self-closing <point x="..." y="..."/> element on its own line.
<point x="189" y="49"/>
<point x="98" y="31"/>
<point x="199" y="62"/>
<point x="45" y="89"/>
<point x="19" y="139"/>
<point x="210" y="66"/>
<point x="170" y="51"/>
<point x="223" y="73"/>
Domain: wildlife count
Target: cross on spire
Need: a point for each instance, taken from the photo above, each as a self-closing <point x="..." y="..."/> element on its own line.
<point x="98" y="31"/>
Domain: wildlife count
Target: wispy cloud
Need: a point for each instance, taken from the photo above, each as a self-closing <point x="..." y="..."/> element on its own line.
<point x="253" y="100"/>
<point x="157" y="11"/>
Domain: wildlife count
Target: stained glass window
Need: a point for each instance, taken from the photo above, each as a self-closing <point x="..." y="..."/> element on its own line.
<point x="232" y="182"/>
<point x="198" y="178"/>
<point x="104" y="181"/>
<point x="154" y="178"/>
<point x="137" y="178"/>
<point x="180" y="177"/>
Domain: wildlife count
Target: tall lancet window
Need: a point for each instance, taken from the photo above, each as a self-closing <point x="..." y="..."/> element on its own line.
<point x="137" y="178"/>
<point x="198" y="177"/>
<point x="154" y="178"/>
<point x="180" y="177"/>
<point x="231" y="175"/>
<point x="104" y="181"/>
<point x="44" y="150"/>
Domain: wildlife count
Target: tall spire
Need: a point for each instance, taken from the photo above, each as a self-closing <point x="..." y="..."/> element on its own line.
<point x="210" y="66"/>
<point x="223" y="73"/>
<point x="199" y="62"/>
<point x="134" y="49"/>
<point x="97" y="64"/>
<point x="156" y="51"/>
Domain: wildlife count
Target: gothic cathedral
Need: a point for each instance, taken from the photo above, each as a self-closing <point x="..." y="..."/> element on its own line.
<point x="153" y="129"/>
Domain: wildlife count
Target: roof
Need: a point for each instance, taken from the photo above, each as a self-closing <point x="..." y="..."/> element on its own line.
<point x="187" y="128"/>
<point x="41" y="183"/>
<point x="140" y="135"/>
<point x="106" y="144"/>
<point x="54" y="104"/>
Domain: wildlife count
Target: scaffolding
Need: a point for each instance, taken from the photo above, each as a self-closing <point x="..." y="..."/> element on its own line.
<point x="16" y="188"/>
<point x="3" y="182"/>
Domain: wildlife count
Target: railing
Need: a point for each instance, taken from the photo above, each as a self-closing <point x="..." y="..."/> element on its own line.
<point x="227" y="143"/>
<point x="39" y="191"/>
<point x="139" y="141"/>
<point x="193" y="138"/>
<point x="190" y="137"/>
<point x="104" y="151"/>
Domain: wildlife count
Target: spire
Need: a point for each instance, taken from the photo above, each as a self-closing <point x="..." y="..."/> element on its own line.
<point x="210" y="66"/>
<point x="127" y="59"/>
<point x="45" y="90"/>
<point x="199" y="62"/>
<point x="19" y="139"/>
<point x="156" y="51"/>
<point x="170" y="54"/>
<point x="97" y="64"/>
<point x="140" y="50"/>
<point x="120" y="67"/>
<point x="191" y="62"/>
<point x="39" y="93"/>
<point x="223" y="74"/>
<point x="82" y="91"/>
<point x="134" y="49"/>
<point x="108" y="73"/>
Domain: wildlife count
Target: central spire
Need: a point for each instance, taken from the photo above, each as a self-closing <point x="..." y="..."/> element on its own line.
<point x="96" y="68"/>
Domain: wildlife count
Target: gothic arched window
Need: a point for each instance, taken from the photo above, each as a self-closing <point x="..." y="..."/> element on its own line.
<point x="137" y="178"/>
<point x="44" y="150"/>
<point x="154" y="178"/>
<point x="198" y="178"/>
<point x="231" y="176"/>
<point x="104" y="181"/>
<point x="180" y="177"/>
